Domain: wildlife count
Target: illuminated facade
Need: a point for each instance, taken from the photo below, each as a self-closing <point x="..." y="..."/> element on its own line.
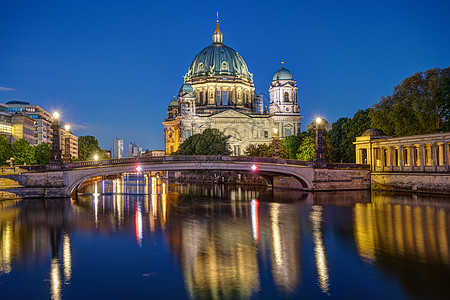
<point x="218" y="92"/>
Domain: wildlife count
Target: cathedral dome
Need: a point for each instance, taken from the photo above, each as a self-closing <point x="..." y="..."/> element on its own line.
<point x="173" y="103"/>
<point x="218" y="60"/>
<point x="186" y="88"/>
<point x="283" y="74"/>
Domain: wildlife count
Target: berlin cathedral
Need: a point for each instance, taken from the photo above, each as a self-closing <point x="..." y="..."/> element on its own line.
<point x="218" y="92"/>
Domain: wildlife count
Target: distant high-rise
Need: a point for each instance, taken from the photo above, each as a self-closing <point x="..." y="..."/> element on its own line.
<point x="118" y="148"/>
<point x="134" y="150"/>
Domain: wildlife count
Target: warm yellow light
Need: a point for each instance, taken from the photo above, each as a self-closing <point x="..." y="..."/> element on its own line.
<point x="67" y="127"/>
<point x="56" y="115"/>
<point x="95" y="157"/>
<point x="319" y="120"/>
<point x="275" y="130"/>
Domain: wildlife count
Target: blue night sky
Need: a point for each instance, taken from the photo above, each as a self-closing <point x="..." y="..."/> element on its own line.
<point x="112" y="67"/>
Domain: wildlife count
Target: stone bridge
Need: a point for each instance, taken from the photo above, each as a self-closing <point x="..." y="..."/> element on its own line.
<point x="282" y="173"/>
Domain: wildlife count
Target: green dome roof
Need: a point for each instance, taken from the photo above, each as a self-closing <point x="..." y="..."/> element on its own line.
<point x="186" y="88"/>
<point x="173" y="103"/>
<point x="283" y="74"/>
<point x="218" y="60"/>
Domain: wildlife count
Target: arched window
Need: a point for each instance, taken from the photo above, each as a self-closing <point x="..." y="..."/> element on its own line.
<point x="286" y="96"/>
<point x="201" y="67"/>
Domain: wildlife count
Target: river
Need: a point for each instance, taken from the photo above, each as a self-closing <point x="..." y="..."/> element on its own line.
<point x="146" y="239"/>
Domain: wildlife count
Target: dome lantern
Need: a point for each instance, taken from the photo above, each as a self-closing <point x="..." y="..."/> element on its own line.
<point x="217" y="36"/>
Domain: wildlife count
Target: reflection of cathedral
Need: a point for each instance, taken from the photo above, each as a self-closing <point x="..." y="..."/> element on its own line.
<point x="218" y="92"/>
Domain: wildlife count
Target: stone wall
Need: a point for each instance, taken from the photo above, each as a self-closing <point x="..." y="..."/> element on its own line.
<point x="37" y="185"/>
<point x="329" y="180"/>
<point x="412" y="182"/>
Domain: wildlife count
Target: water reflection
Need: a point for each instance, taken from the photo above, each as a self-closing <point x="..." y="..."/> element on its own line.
<point x="236" y="242"/>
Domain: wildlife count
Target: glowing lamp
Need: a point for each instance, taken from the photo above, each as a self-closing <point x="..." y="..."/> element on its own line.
<point x="138" y="168"/>
<point x="95" y="157"/>
<point x="56" y="115"/>
<point x="275" y="130"/>
<point x="67" y="127"/>
<point x="254" y="167"/>
<point x="319" y="120"/>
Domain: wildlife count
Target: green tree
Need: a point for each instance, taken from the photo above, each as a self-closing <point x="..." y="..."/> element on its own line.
<point x="444" y="98"/>
<point x="338" y="136"/>
<point x="5" y="150"/>
<point x="307" y="147"/>
<point x="88" y="147"/>
<point x="209" y="142"/>
<point x="266" y="150"/>
<point x="23" y="152"/>
<point x="42" y="154"/>
<point x="292" y="143"/>
<point x="417" y="105"/>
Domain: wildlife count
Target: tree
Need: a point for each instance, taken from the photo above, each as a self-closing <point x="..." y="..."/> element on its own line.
<point x="338" y="137"/>
<point x="306" y="150"/>
<point x="23" y="152"/>
<point x="417" y="105"/>
<point x="266" y="150"/>
<point x="88" y="147"/>
<point x="210" y="142"/>
<point x="292" y="143"/>
<point x="42" y="154"/>
<point x="5" y="150"/>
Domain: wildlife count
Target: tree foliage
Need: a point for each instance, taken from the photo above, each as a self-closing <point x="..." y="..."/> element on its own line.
<point x="42" y="154"/>
<point x="23" y="152"/>
<point x="292" y="143"/>
<point x="344" y="133"/>
<point x="88" y="147"/>
<point x="306" y="150"/>
<point x="5" y="150"/>
<point x="266" y="150"/>
<point x="418" y="105"/>
<point x="210" y="142"/>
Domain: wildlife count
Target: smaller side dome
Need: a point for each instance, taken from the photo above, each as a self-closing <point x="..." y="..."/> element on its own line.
<point x="373" y="132"/>
<point x="173" y="103"/>
<point x="186" y="88"/>
<point x="283" y="74"/>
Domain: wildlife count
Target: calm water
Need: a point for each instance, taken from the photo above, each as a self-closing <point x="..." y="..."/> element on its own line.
<point x="142" y="240"/>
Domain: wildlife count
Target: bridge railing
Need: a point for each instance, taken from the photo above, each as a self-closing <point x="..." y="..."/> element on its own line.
<point x="183" y="158"/>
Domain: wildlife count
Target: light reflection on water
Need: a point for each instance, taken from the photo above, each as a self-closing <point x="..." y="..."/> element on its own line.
<point x="227" y="243"/>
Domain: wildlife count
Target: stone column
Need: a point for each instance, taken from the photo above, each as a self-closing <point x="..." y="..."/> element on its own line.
<point x="446" y="158"/>
<point x="422" y="157"/>
<point x="400" y="157"/>
<point x="411" y="157"/>
<point x="391" y="158"/>
<point x="220" y="93"/>
<point x="433" y="150"/>
<point x="441" y="155"/>
<point x="383" y="159"/>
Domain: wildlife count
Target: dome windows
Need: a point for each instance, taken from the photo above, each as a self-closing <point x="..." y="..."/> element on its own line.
<point x="286" y="96"/>
<point x="224" y="66"/>
<point x="201" y="67"/>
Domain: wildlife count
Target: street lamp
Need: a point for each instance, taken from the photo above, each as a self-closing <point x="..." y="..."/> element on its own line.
<point x="67" y="157"/>
<point x="319" y="154"/>
<point x="95" y="157"/>
<point x="275" y="150"/>
<point x="55" y="161"/>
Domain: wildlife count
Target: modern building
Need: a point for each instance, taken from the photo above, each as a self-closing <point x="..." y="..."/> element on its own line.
<point x="42" y="119"/>
<point x="118" y="148"/>
<point x="134" y="150"/>
<point x="14" y="126"/>
<point x="218" y="92"/>
<point x="72" y="140"/>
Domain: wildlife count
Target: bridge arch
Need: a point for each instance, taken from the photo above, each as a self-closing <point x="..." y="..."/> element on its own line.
<point x="77" y="173"/>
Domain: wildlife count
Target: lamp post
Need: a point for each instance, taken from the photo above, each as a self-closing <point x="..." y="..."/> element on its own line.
<point x="55" y="160"/>
<point x="67" y="157"/>
<point x="319" y="155"/>
<point x="275" y="150"/>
